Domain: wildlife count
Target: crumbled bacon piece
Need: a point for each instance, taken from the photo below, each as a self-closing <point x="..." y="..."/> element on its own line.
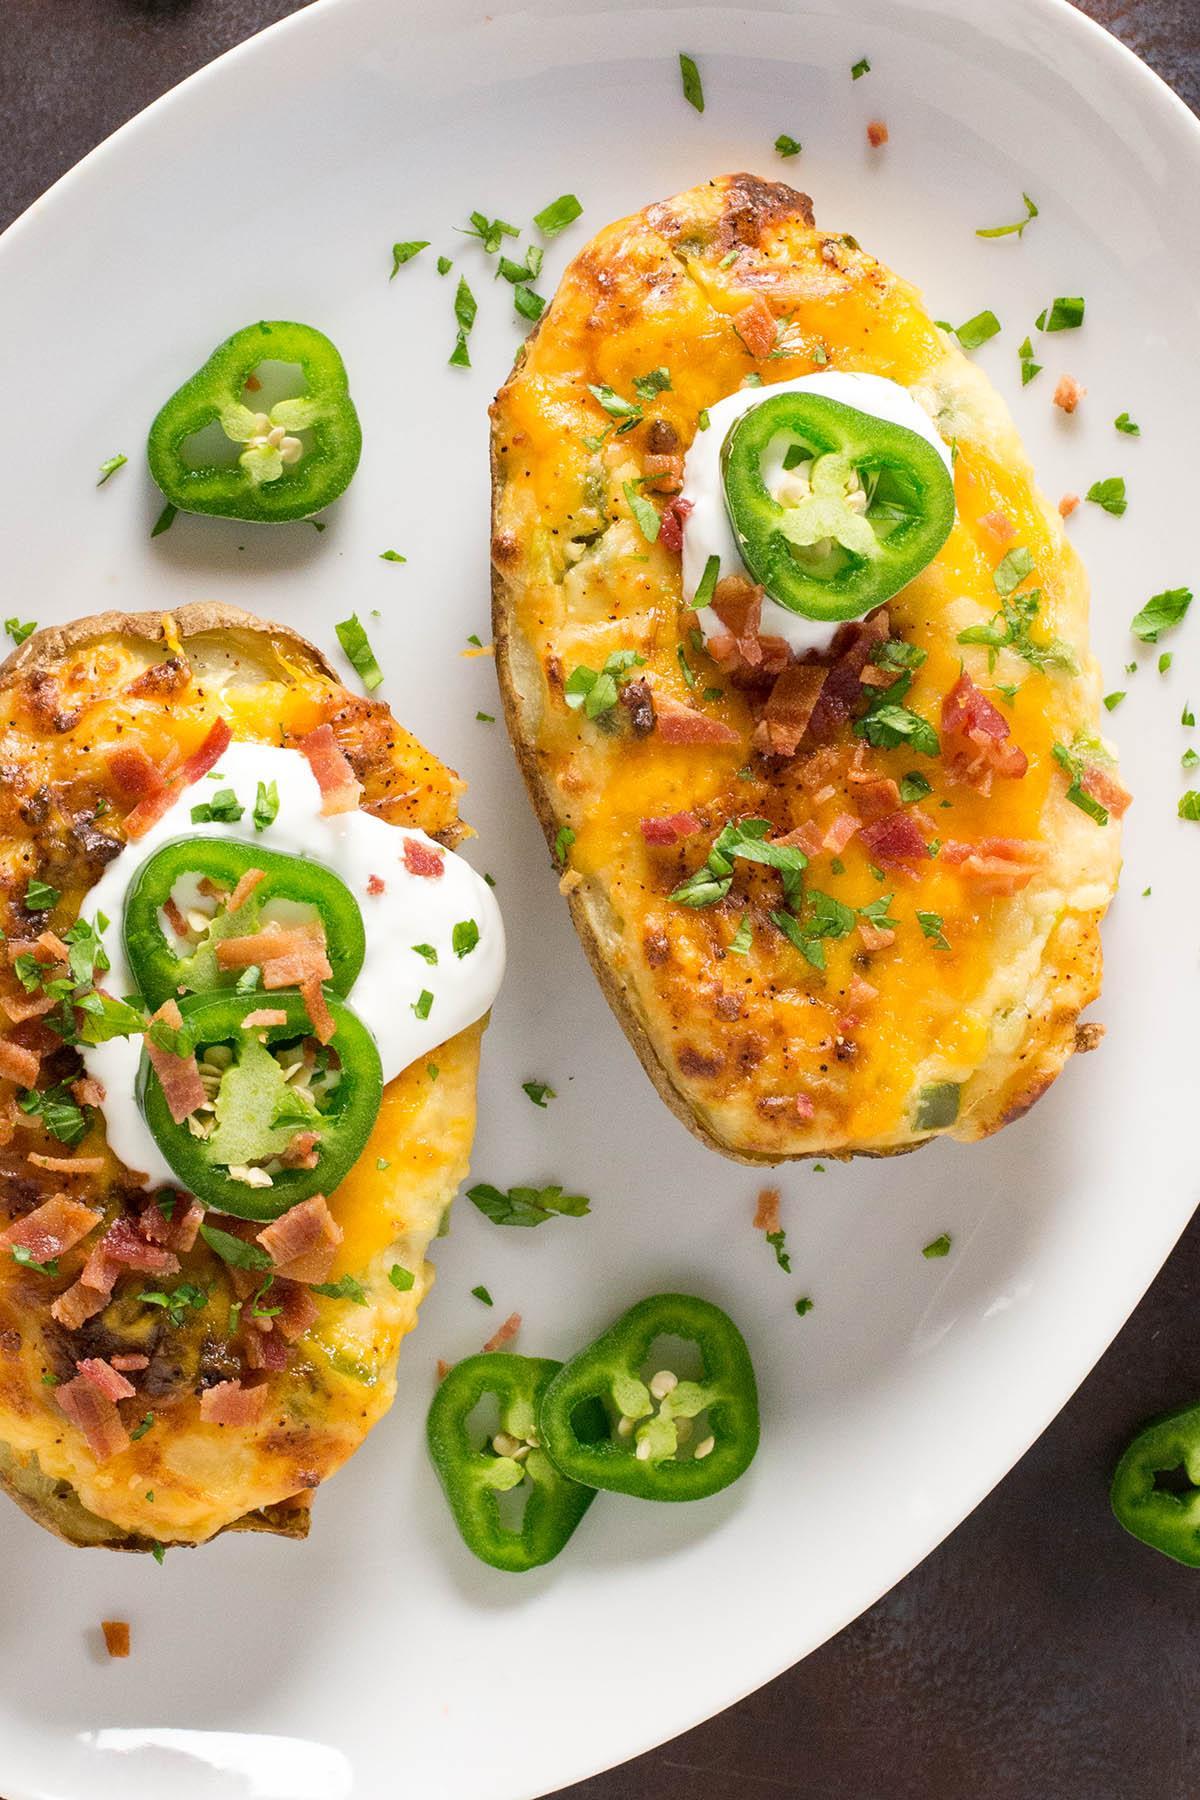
<point x="178" y="1074"/>
<point x="319" y="1015"/>
<point x="53" y="1228"/>
<point x="741" y="650"/>
<point x="996" y="865"/>
<point x="755" y="325"/>
<point x="860" y="992"/>
<point x="875" y="937"/>
<point x="247" y="882"/>
<point x="1068" y="393"/>
<point x="133" y="1364"/>
<point x="423" y="859"/>
<point x="680" y="724"/>
<point x="124" y="1246"/>
<point x="662" y="474"/>
<point x="18" y="1064"/>
<point x="894" y="840"/>
<point x="297" y="1309"/>
<point x="807" y="837"/>
<point x="1068" y="504"/>
<point x="999" y="525"/>
<point x="1106" y="789"/>
<point x="506" y="1333"/>
<point x="302" y="1243"/>
<point x="116" y="1636"/>
<point x="87" y="1091"/>
<point x="266" y="1350"/>
<point x="670" y="530"/>
<point x="670" y="831"/>
<point x="133" y="773"/>
<point x="839" y="832"/>
<point x="877" y="133"/>
<point x="175" y="918"/>
<point x="376" y="885"/>
<point x="301" y="1151"/>
<point x="264" y="1016"/>
<point x="341" y="791"/>
<point x="877" y="798"/>
<point x="66" y="1165"/>
<point x="976" y="743"/>
<point x="229" y="1403"/>
<point x="20" y="1007"/>
<point x="158" y="800"/>
<point x="789" y="709"/>
<point x="766" y="1214"/>
<point x="804" y="1106"/>
<point x="179" y="1232"/>
<point x="106" y="1378"/>
<point x="77" y="1305"/>
<point x="83" y="1403"/>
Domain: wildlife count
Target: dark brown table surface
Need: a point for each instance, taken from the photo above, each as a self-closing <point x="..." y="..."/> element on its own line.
<point x="1039" y="1653"/>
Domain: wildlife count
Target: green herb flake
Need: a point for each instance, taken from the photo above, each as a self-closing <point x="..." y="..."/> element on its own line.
<point x="702" y="419"/>
<point x="402" y="253"/>
<point x="234" y="1250"/>
<point x="1029" y="368"/>
<point x="1062" y="315"/>
<point x="158" y="1552"/>
<point x="1074" y="769"/>
<point x="527" y="304"/>
<point x="1189" y="808"/>
<point x="490" y="232"/>
<point x="481" y="1293"/>
<point x="693" y="90"/>
<point x="354" y="641"/>
<point x="423" y="1006"/>
<point x="1187" y="716"/>
<point x="345" y="1289"/>
<point x="444" y="265"/>
<point x="978" y="330"/>
<point x="1110" y="494"/>
<point x="748" y="839"/>
<point x="1112" y="701"/>
<point x="18" y="632"/>
<point x="859" y="69"/>
<point x="939" y="1247"/>
<point x="778" y="1242"/>
<point x="647" y="515"/>
<point x="266" y="805"/>
<point x="1124" y="423"/>
<point x="787" y="146"/>
<point x="391" y="556"/>
<point x="165" y="520"/>
<point x="486" y="718"/>
<point x="40" y="896"/>
<point x="539" y="1092"/>
<point x="400" y="1278"/>
<point x="526" y="1206"/>
<point x="597" y="691"/>
<point x="223" y="809"/>
<point x="804" y="1306"/>
<point x="1190" y="759"/>
<point x="1160" y="613"/>
<point x="999" y="231"/>
<point x="110" y="467"/>
<point x="562" y="845"/>
<point x="431" y="1069"/>
<point x="742" y="938"/>
<point x="464" y="938"/>
<point x="1165" y="661"/>
<point x="913" y="786"/>
<point x="140" y="1430"/>
<point x="28" y="1260"/>
<point x="465" y="308"/>
<point x="931" y="924"/>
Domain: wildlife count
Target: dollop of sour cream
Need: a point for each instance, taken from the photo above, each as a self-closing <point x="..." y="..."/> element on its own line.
<point x="410" y="910"/>
<point x="707" y="531"/>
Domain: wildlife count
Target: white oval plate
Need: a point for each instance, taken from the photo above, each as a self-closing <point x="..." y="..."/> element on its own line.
<point x="380" y="1658"/>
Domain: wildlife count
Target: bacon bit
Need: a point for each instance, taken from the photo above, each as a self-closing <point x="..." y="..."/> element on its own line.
<point x="506" y="1333"/>
<point x="341" y="791"/>
<point x="839" y="832"/>
<point x="1068" y="504"/>
<point x="669" y="831"/>
<point x="135" y="776"/>
<point x="77" y="1305"/>
<point x="860" y="992"/>
<point x="131" y="1363"/>
<point x="179" y="1076"/>
<point x="19" y="1065"/>
<point x="179" y="1232"/>
<point x="874" y="937"/>
<point x="106" y="1378"/>
<point x="876" y="798"/>
<point x="423" y="859"/>
<point x="303" y="1242"/>
<point x="298" y="1311"/>
<point x="804" y="1106"/>
<point x="996" y="865"/>
<point x="443" y="1369"/>
<point x="740" y="650"/>
<point x="983" y="749"/>
<point x="755" y="325"/>
<point x="19" y="1008"/>
<point x="670" y="530"/>
<point x="116" y="1636"/>
<point x="301" y="1152"/>
<point x="266" y="1350"/>
<point x="245" y="887"/>
<point x="266" y="1015"/>
<point x="680" y="724"/>
<point x="376" y="885"/>
<point x="662" y="474"/>
<point x="87" y="1091"/>
<point x="229" y="1403"/>
<point x="766" y="1216"/>
<point x="1106" y="789"/>
<point x="67" y="1165"/>
<point x="789" y="710"/>
<point x="55" y="949"/>
<point x="175" y="918"/>
<point x="95" y="1415"/>
<point x="159" y="800"/>
<point x="843" y="682"/>
<point x="53" y="1228"/>
<point x="999" y="525"/>
<point x="807" y="837"/>
<point x="1068" y="393"/>
<point x="894" y="840"/>
<point x="285" y="955"/>
<point x="873" y="676"/>
<point x="877" y="133"/>
<point x="123" y="1246"/>
<point x="319" y="1015"/>
<point x="8" y="1121"/>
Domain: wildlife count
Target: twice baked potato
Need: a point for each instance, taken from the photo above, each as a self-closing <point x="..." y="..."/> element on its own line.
<point x="840" y="877"/>
<point x="169" y="1370"/>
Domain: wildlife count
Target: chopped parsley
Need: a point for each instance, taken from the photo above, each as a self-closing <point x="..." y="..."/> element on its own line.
<point x="18" y="632"/>
<point x="1110" y="494"/>
<point x="431" y="1069"/>
<point x="558" y="215"/>
<point x="1074" y="769"/>
<point x="223" y="809"/>
<point x="464" y="937"/>
<point x="140" y="1430"/>
<point x="646" y="514"/>
<point x="1187" y="716"/>
<point x="1160" y="613"/>
<point x="876" y="911"/>
<point x="747" y="839"/>
<point x="40" y="896"/>
<point x="787" y="146"/>
<point x="266" y="805"/>
<point x="778" y="1241"/>
<point x="486" y="718"/>
<point x="402" y="253"/>
<point x="742" y="938"/>
<point x="490" y="232"/>
<point x="931" y="925"/>
<point x="693" y="90"/>
<point x="913" y="786"/>
<point x="28" y="1260"/>
<point x="465" y="308"/>
<point x="978" y="330"/>
<point x="1165" y="661"/>
<point x="826" y="918"/>
<point x="804" y="1306"/>
<point x="444" y="265"/>
<point x="354" y="641"/>
<point x="400" y="1277"/>
<point x="939" y="1247"/>
<point x="60" y="1115"/>
<point x="702" y="419"/>
<point x="177" y="1303"/>
<point x="345" y="1289"/>
<point x="999" y="231"/>
<point x="1190" y="759"/>
<point x="1189" y="808"/>
<point x="860" y="68"/>
<point x="391" y="556"/>
<point x="234" y="1250"/>
<point x="1112" y="701"/>
<point x="629" y="412"/>
<point x="1029" y="367"/>
<point x="596" y="691"/>
<point x="158" y="1552"/>
<point x="424" y="1005"/>
<point x="525" y="1205"/>
<point x="1061" y="315"/>
<point x="539" y="1092"/>
<point x="481" y="1293"/>
<point x="110" y="467"/>
<point x="165" y="520"/>
<point x="562" y="844"/>
<point x="1009" y="627"/>
<point x="1124" y="423"/>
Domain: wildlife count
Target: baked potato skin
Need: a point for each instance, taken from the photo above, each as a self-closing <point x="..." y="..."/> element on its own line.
<point x="67" y="696"/>
<point x="731" y="1042"/>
